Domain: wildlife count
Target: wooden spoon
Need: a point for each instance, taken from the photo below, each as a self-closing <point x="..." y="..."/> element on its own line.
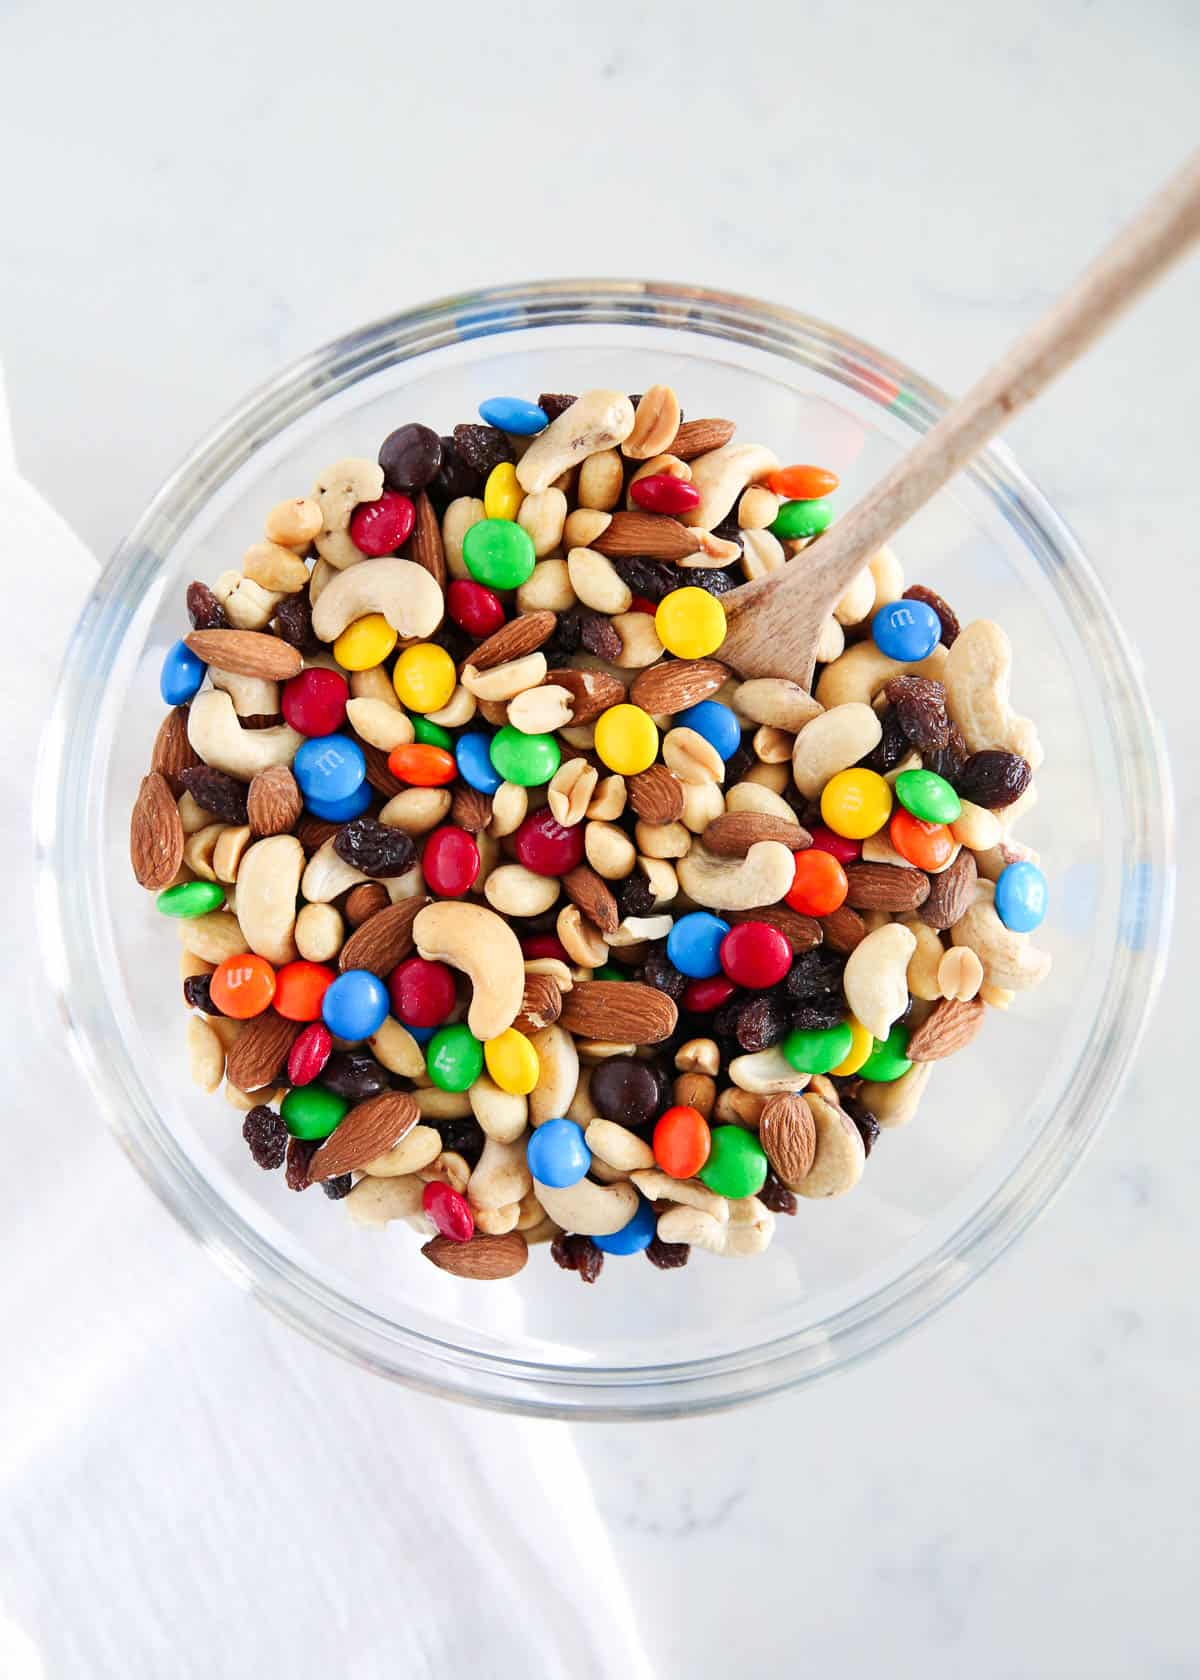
<point x="774" y="623"/>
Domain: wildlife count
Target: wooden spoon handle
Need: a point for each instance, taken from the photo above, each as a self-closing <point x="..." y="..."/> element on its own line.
<point x="1133" y="261"/>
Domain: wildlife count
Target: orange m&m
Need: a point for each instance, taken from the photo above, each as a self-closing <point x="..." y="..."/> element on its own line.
<point x="681" y="1141"/>
<point x="803" y="484"/>
<point x="819" y="885"/>
<point x="925" y="845"/>
<point x="243" y="986"/>
<point x="422" y="764"/>
<point x="299" y="989"/>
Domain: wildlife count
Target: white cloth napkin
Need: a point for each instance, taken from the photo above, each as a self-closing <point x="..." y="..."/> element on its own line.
<point x="173" y="1496"/>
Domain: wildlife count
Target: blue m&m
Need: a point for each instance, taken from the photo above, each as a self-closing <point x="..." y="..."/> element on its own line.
<point x="341" y="810"/>
<point x="356" y="1005"/>
<point x="717" y="723"/>
<point x="329" y="768"/>
<point x="1021" y="897"/>
<point x="181" y="675"/>
<point x="557" y="1154"/>
<point x="694" y="944"/>
<point x="514" y="414"/>
<point x="473" y="755"/>
<point x="634" y="1237"/>
<point x="906" y="630"/>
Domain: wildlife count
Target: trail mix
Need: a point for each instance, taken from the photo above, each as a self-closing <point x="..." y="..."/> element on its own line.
<point x="508" y="911"/>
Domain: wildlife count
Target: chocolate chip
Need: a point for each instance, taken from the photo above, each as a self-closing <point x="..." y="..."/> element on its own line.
<point x="628" y="1091"/>
<point x="454" y="478"/>
<point x="410" y="457"/>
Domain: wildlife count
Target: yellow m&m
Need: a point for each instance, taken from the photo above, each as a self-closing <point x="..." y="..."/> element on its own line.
<point x="626" y="739"/>
<point x="690" y="622"/>
<point x="424" y="677"/>
<point x="365" y="643"/>
<point x="856" y="803"/>
<point x="861" y="1045"/>
<point x="512" y="1062"/>
<point x="502" y="495"/>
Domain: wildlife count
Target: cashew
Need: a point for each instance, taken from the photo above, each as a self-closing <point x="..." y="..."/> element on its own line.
<point x="721" y="475"/>
<point x="691" y="757"/>
<point x="594" y="1210"/>
<point x="703" y="802"/>
<point x="570" y="791"/>
<point x="600" y="479"/>
<point x="1008" y="959"/>
<point x="923" y="966"/>
<point x="268" y="881"/>
<point x="484" y="948"/>
<point x="656" y="1186"/>
<point x="977" y="673"/>
<point x="750" y="1229"/>
<point x="753" y="796"/>
<point x="831" y="642"/>
<point x="501" y="1175"/>
<point x="548" y="586"/>
<point x="402" y="591"/>
<point x="215" y="733"/>
<point x="960" y="974"/>
<point x="776" y="701"/>
<point x="495" y="1222"/>
<point x="514" y="890"/>
<point x="459" y="709"/>
<point x="888" y="575"/>
<point x="504" y="682"/>
<point x="839" y="1158"/>
<point x="417" y="810"/>
<point x="543" y="516"/>
<point x="596" y="420"/>
<point x="595" y="582"/>
<point x="608" y="801"/>
<point x="248" y="606"/>
<point x="251" y="696"/>
<point x="617" y="1146"/>
<point x="206" y="1055"/>
<point x="862" y="671"/>
<point x="763" y="876"/>
<point x="326" y="875"/>
<point x="558" y="1077"/>
<point x="373" y="1202"/>
<point x="381" y="725"/>
<point x="321" y="574"/>
<point x="894" y="1102"/>
<point x="766" y="1072"/>
<point x="214" y="936"/>
<point x="502" y="1115"/>
<point x="337" y="492"/>
<point x="976" y="828"/>
<point x="875" y="977"/>
<point x="510" y="806"/>
<point x="582" y="941"/>
<point x="457" y="520"/>
<point x="415" y="1150"/>
<point x="689" y="1225"/>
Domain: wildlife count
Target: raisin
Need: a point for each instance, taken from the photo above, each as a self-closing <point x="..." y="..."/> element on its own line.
<point x="197" y="993"/>
<point x="482" y="447"/>
<point x="718" y="580"/>
<point x="267" y="1137"/>
<point x="293" y="620"/>
<point x="814" y="974"/>
<point x="920" y="710"/>
<point x="763" y="1022"/>
<point x="946" y="616"/>
<point x="667" y="1256"/>
<point x="991" y="778"/>
<point x="300" y="1152"/>
<point x="648" y="578"/>
<point x="554" y="403"/>
<point x="336" y="1188"/>
<point x="216" y="792"/>
<point x="375" y="848"/>
<point x="658" y="970"/>
<point x="456" y="641"/>
<point x="203" y="608"/>
<point x="635" y="897"/>
<point x="818" y="1014"/>
<point x="947" y="761"/>
<point x="737" y="766"/>
<point x="578" y="1254"/>
<point x="600" y="636"/>
<point x="354" y="1075"/>
<point x="864" y="1120"/>
<point x="776" y="1196"/>
<point x="891" y="747"/>
<point x="565" y="639"/>
<point x="454" y="478"/>
<point x="462" y="1135"/>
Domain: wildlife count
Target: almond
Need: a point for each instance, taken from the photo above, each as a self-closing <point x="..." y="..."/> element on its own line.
<point x="173" y="751"/>
<point x="801" y="932"/>
<point x="483" y="1259"/>
<point x="426" y="546"/>
<point x="371" y="1128"/>
<point x="949" y="1028"/>
<point x="656" y="795"/>
<point x="675" y="684"/>
<point x="383" y="941"/>
<point x="274" y="804"/>
<point x="514" y="640"/>
<point x="312" y="832"/>
<point x="652" y="536"/>
<point x="365" y="900"/>
<point x="619" y="1011"/>
<point x="843" y="929"/>
<point x="885" y="886"/>
<point x="249" y="653"/>
<point x="541" y="1004"/>
<point x="789" y="1137"/>
<point x="471" y="809"/>
<point x="697" y="437"/>
<point x="155" y="834"/>
<point x="733" y="833"/>
<point x="260" y="1051"/>
<point x="593" y="896"/>
<point x="592" y="692"/>
<point x="951" y="894"/>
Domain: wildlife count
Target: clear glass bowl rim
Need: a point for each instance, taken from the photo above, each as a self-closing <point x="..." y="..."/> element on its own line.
<point x="306" y="1302"/>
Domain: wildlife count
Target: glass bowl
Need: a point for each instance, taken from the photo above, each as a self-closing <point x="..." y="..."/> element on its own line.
<point x="1001" y="1126"/>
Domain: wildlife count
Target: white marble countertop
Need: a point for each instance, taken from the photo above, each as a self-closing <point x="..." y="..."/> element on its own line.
<point x="195" y="200"/>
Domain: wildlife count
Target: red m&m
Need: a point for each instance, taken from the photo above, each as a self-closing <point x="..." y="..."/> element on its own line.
<point x="314" y="702"/>
<point x="755" y="955"/>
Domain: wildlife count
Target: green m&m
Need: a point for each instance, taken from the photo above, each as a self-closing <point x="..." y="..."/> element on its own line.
<point x="498" y="553"/>
<point x="191" y="898"/>
<point x="527" y="760"/>
<point x="432" y="734"/>
<point x="816" y="1050"/>
<point x="887" y="1060"/>
<point x="454" y="1058"/>
<point x="802" y="519"/>
<point x="928" y="796"/>
<point x="736" y="1164"/>
<point x="310" y="1111"/>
